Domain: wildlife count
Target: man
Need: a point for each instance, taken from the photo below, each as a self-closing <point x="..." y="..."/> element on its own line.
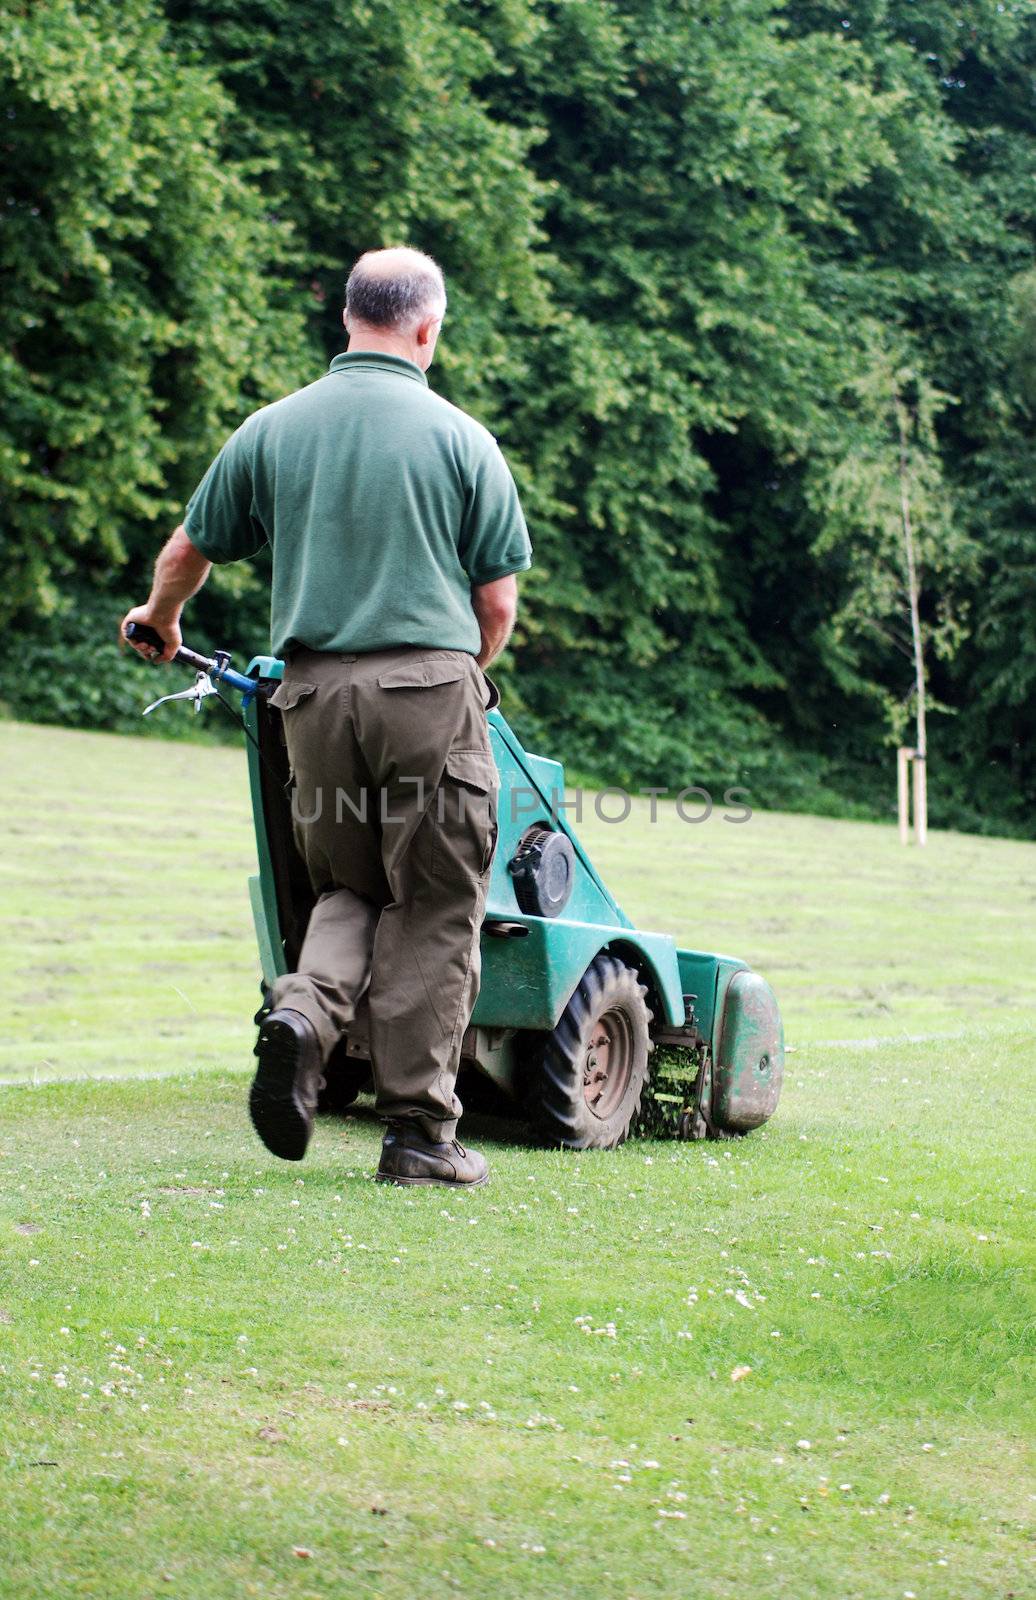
<point x="396" y="534"/>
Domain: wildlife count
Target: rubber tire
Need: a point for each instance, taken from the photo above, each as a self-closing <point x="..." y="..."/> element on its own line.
<point x="553" y="1087"/>
<point x="345" y="1077"/>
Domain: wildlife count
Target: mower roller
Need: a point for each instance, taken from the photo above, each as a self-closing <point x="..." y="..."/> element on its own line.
<point x="576" y="1005"/>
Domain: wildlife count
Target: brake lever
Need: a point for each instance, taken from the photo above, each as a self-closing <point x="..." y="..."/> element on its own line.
<point x="199" y="690"/>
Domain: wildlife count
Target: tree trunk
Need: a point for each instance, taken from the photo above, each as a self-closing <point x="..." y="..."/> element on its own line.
<point x="921" y="752"/>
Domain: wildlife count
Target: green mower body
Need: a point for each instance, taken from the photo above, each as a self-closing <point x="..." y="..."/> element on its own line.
<point x="574" y="1002"/>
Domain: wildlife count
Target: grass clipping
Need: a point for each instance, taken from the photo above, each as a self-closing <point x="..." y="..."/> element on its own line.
<point x="670" y="1094"/>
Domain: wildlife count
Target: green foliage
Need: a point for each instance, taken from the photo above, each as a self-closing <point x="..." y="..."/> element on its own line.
<point x="70" y="669"/>
<point x="363" y="126"/>
<point x="689" y="248"/>
<point x="137" y="319"/>
<point x="1021" y="339"/>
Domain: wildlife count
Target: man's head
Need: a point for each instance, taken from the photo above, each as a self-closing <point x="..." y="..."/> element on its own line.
<point x="395" y="301"/>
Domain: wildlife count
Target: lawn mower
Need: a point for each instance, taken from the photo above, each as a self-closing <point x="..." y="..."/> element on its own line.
<point x="584" y="1025"/>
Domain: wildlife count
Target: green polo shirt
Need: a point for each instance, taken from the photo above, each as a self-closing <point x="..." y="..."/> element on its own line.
<point x="383" y="504"/>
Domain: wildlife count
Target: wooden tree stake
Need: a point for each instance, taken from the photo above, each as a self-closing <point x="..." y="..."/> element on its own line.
<point x="904" y="756"/>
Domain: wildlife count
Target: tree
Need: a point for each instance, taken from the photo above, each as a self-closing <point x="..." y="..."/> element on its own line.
<point x="363" y="126"/>
<point x="889" y="523"/>
<point x="994" y="677"/>
<point x="705" y="168"/>
<point x="138" y="318"/>
<point x="671" y="232"/>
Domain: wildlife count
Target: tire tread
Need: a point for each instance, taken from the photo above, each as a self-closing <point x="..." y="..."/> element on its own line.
<point x="554" y="1089"/>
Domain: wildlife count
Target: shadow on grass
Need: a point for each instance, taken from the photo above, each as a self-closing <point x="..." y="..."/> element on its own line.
<point x="479" y="1125"/>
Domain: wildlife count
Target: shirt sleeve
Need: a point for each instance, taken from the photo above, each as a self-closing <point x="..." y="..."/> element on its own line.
<point x="494" y="538"/>
<point x="222" y="520"/>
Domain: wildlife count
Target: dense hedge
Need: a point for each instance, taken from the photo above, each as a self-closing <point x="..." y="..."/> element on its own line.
<point x="701" y="257"/>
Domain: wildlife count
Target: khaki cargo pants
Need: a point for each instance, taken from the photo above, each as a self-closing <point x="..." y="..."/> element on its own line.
<point x="394" y="808"/>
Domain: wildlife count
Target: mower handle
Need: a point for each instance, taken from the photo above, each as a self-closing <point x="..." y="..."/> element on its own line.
<point x="217" y="667"/>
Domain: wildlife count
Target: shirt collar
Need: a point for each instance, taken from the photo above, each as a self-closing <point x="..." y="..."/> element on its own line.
<point x="350" y="361"/>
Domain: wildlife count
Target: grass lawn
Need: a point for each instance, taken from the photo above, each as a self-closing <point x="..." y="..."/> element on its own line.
<point x="796" y="1365"/>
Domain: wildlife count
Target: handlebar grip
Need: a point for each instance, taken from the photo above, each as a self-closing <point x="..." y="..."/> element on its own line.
<point x="143" y="633"/>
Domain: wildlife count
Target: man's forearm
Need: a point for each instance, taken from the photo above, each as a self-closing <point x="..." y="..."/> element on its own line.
<point x="495" y="606"/>
<point x="180" y="572"/>
<point x="494" y="641"/>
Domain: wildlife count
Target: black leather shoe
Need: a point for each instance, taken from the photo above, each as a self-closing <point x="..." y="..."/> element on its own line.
<point x="408" y="1156"/>
<point x="287" y="1081"/>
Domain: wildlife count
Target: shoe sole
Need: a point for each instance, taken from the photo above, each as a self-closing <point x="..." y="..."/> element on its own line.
<point x="442" y="1183"/>
<point x="272" y="1102"/>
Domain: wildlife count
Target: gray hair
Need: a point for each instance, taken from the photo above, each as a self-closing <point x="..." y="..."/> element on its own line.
<point x="395" y="289"/>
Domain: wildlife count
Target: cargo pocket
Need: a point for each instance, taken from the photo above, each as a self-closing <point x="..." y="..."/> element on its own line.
<point x="422" y="675"/>
<point x="470" y="784"/>
<point x="476" y="769"/>
<point x="287" y="695"/>
<point x="286" y="698"/>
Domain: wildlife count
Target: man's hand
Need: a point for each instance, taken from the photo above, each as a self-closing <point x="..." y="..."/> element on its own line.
<point x="169" y="632"/>
<point x="180" y="572"/>
<point x="495" y="605"/>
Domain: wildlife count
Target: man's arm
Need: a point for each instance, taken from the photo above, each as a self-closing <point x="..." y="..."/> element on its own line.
<point x="180" y="572"/>
<point x="496" y="606"/>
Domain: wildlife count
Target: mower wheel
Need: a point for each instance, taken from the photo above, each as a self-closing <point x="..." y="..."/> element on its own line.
<point x="584" y="1080"/>
<point x="345" y="1077"/>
